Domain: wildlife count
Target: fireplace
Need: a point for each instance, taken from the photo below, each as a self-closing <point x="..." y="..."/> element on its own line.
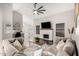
<point x="46" y="36"/>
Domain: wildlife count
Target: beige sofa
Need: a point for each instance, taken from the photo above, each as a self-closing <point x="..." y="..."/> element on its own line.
<point x="10" y="48"/>
<point x="60" y="48"/>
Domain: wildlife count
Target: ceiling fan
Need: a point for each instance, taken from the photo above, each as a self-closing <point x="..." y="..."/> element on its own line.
<point x="39" y="10"/>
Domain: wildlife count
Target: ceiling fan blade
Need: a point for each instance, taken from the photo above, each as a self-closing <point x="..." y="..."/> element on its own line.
<point x="40" y="7"/>
<point x="38" y="13"/>
<point x="42" y="10"/>
<point x="35" y="5"/>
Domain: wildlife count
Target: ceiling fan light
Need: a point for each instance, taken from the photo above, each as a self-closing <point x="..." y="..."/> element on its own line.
<point x="35" y="12"/>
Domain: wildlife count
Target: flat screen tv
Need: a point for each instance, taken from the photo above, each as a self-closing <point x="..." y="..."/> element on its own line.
<point x="46" y="25"/>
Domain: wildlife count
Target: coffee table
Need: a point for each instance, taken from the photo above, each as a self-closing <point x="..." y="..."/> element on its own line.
<point x="33" y="50"/>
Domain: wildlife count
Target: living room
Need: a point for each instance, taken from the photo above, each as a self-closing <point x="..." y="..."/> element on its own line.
<point x="39" y="29"/>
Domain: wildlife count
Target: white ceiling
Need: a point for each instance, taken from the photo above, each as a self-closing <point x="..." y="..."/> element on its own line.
<point x="51" y="8"/>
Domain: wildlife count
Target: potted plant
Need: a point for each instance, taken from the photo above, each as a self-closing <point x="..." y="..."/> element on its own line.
<point x="37" y="39"/>
<point x="71" y="31"/>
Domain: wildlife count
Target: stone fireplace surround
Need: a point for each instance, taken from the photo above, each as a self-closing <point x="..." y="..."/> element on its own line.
<point x="46" y="32"/>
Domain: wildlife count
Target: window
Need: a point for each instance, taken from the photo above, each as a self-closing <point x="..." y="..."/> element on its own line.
<point x="60" y="29"/>
<point x="37" y="29"/>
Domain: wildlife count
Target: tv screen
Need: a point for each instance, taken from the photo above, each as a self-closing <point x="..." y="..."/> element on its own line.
<point x="46" y="25"/>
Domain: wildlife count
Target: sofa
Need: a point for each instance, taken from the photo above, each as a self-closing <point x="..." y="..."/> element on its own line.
<point x="12" y="47"/>
<point x="61" y="47"/>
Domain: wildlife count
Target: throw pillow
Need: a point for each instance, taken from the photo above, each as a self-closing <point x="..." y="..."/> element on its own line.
<point x="62" y="53"/>
<point x="60" y="45"/>
<point x="17" y="45"/>
<point x="69" y="47"/>
<point x="8" y="48"/>
<point x="47" y="53"/>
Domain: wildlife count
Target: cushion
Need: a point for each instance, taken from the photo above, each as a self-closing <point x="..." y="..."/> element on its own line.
<point x="47" y="53"/>
<point x="21" y="40"/>
<point x="2" y="52"/>
<point x="62" y="53"/>
<point x="17" y="45"/>
<point x="53" y="49"/>
<point x="60" y="45"/>
<point x="70" y="40"/>
<point x="50" y="48"/>
<point x="8" y="48"/>
<point x="19" y="54"/>
<point x="26" y="43"/>
<point x="69" y="47"/>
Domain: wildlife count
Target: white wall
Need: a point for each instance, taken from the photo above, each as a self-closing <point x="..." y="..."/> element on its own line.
<point x="26" y="12"/>
<point x="7" y="19"/>
<point x="28" y="28"/>
<point x="66" y="17"/>
<point x="0" y="22"/>
<point x="17" y="21"/>
<point x="76" y="36"/>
